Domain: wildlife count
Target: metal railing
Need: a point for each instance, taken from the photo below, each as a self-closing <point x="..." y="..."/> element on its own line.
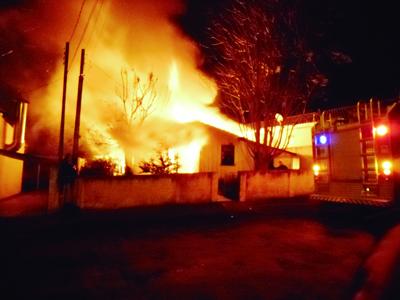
<point x="360" y="113"/>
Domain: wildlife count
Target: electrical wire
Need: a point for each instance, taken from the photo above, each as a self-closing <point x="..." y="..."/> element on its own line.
<point x="56" y="80"/>
<point x="77" y="20"/>
<point x="104" y="72"/>
<point x="84" y="31"/>
<point x="97" y="17"/>
<point x="70" y="38"/>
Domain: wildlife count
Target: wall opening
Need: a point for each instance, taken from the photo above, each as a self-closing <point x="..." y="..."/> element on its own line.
<point x="227" y="155"/>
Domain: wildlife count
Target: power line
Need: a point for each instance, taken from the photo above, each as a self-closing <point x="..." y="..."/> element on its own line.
<point x="84" y="30"/>
<point x="92" y="63"/>
<point x="77" y="20"/>
<point x="56" y="80"/>
<point x="97" y="17"/>
<point x="45" y="85"/>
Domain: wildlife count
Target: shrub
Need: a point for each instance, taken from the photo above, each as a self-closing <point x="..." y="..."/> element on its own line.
<point x="161" y="164"/>
<point x="98" y="167"/>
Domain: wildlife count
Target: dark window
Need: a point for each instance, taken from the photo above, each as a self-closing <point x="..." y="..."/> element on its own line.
<point x="227" y="155"/>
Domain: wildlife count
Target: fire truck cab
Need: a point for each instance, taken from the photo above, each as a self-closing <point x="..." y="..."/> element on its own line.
<point x="356" y="154"/>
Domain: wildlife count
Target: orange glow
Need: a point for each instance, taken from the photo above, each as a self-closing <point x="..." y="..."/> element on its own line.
<point x="188" y="156"/>
<point x="139" y="37"/>
<point x="136" y="36"/>
<point x="173" y="77"/>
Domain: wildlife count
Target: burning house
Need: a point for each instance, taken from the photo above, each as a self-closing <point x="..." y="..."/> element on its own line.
<point x="142" y="88"/>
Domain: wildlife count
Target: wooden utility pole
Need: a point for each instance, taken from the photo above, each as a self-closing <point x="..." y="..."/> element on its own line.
<point x="64" y="95"/>
<point x="75" y="148"/>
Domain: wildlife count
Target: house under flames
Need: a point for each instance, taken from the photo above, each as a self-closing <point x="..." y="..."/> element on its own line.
<point x="227" y="154"/>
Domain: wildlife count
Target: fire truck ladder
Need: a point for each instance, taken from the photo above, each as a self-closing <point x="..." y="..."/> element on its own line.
<point x="366" y="117"/>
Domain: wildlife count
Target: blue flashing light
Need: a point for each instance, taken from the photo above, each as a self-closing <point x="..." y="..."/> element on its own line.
<point x="321" y="139"/>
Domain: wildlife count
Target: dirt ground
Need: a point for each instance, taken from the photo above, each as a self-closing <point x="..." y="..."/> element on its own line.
<point x="225" y="257"/>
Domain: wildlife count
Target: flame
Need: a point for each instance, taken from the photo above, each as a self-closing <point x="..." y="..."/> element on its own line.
<point x="188" y="156"/>
<point x="117" y="156"/>
<point x="136" y="36"/>
<point x="174" y="77"/>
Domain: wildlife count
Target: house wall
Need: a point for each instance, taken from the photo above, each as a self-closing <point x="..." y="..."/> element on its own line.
<point x="210" y="155"/>
<point x="53" y="201"/>
<point x="300" y="142"/>
<point x="10" y="176"/>
<point x="3" y="128"/>
<point x="114" y="193"/>
<point x="275" y="184"/>
<point x="10" y="168"/>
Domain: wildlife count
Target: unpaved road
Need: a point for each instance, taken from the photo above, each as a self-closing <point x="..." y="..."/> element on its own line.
<point x="224" y="257"/>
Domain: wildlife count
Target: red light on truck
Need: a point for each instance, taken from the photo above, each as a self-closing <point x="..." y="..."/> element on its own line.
<point x="387" y="167"/>
<point x="381" y="130"/>
<point x="316" y="169"/>
<point x="387" y="172"/>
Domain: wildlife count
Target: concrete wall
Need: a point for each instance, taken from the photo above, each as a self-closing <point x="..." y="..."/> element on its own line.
<point x="10" y="168"/>
<point x="275" y="184"/>
<point x="120" y="192"/>
<point x="300" y="142"/>
<point x="10" y="176"/>
<point x="54" y="203"/>
<point x="210" y="155"/>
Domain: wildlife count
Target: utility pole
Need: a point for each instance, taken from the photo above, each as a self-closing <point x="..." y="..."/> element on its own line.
<point x="75" y="147"/>
<point x="64" y="95"/>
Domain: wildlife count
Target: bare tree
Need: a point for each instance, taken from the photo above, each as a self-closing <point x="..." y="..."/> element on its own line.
<point x="138" y="99"/>
<point x="264" y="71"/>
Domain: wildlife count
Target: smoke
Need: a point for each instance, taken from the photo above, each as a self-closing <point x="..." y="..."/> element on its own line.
<point x="132" y="35"/>
<point x="32" y="34"/>
<point x="30" y="42"/>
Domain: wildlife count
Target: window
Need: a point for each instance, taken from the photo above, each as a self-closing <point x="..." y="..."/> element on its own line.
<point x="227" y="155"/>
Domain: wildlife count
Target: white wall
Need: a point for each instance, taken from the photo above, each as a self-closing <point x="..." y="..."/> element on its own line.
<point x="119" y="192"/>
<point x="10" y="168"/>
<point x="210" y="158"/>
<point x="2" y="131"/>
<point x="301" y="142"/>
<point x="210" y="155"/>
<point x="10" y="176"/>
<point x="275" y="184"/>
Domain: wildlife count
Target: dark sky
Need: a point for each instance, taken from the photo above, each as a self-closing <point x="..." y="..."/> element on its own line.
<point x="367" y="32"/>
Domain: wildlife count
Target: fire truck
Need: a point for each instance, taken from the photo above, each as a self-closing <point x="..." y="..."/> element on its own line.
<point x="356" y="154"/>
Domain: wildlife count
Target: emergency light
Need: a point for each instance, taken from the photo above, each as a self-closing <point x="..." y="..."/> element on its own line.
<point x="387" y="167"/>
<point x="316" y="169"/>
<point x="381" y="130"/>
<point x="321" y="139"/>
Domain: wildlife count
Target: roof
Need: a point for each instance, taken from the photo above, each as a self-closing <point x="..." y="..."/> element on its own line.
<point x="241" y="139"/>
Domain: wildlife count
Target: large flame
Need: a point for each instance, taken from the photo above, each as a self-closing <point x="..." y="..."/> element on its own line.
<point x="137" y="37"/>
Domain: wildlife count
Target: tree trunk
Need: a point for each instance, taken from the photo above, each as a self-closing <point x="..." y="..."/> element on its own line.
<point x="129" y="162"/>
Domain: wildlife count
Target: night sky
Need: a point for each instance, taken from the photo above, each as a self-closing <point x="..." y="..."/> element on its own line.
<point x="366" y="32"/>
